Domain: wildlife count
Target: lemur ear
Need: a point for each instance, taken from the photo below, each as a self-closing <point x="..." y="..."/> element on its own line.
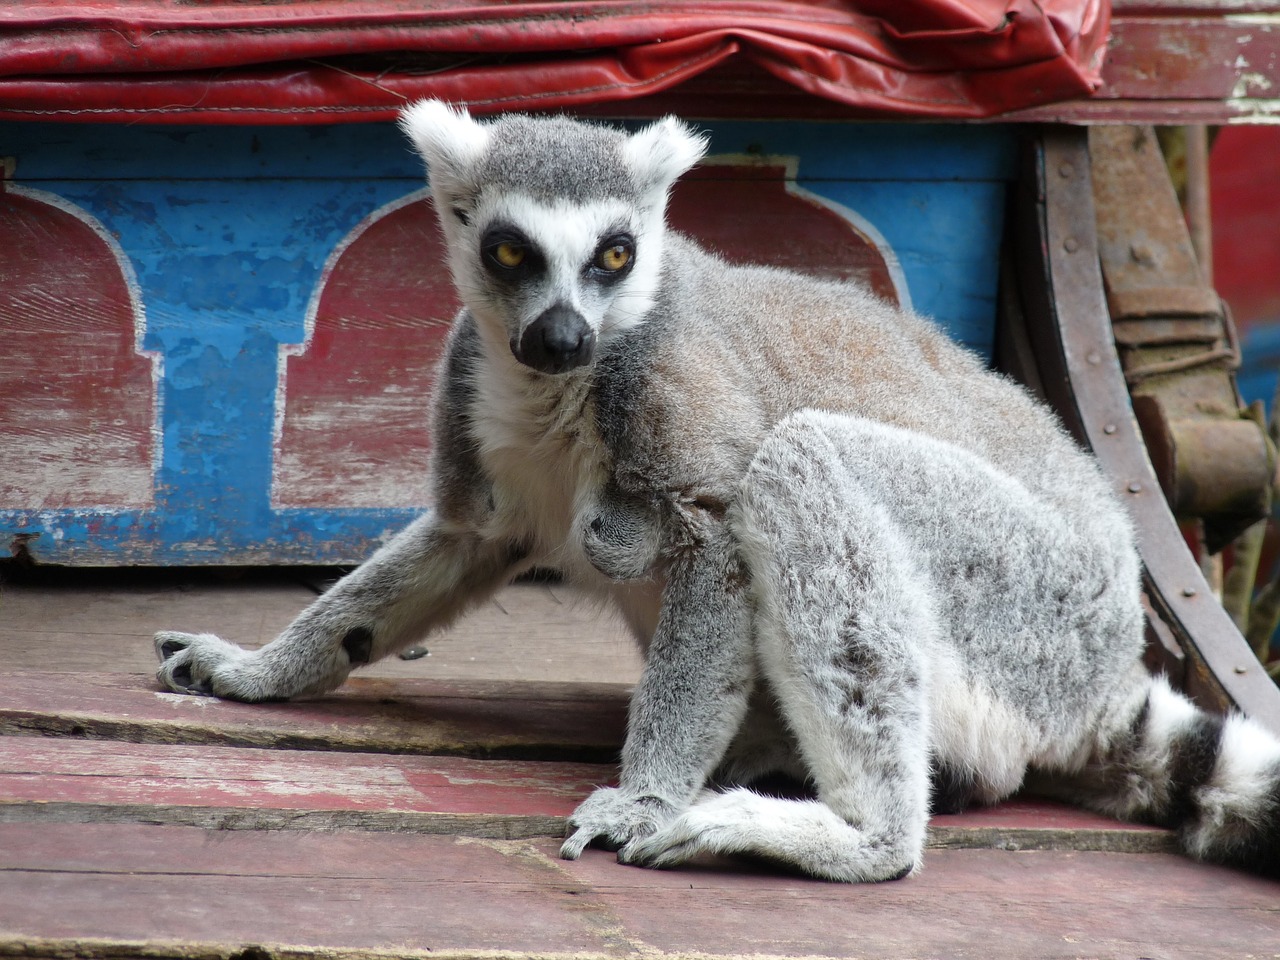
<point x="449" y="141"/>
<point x="661" y="152"/>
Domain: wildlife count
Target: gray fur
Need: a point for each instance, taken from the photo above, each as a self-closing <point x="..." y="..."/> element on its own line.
<point x="849" y="551"/>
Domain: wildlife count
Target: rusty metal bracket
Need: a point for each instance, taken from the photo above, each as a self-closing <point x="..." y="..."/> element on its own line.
<point x="1177" y="344"/>
<point x="1062" y="297"/>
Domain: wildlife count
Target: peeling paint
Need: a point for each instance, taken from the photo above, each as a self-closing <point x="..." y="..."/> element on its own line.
<point x="1250" y="83"/>
<point x="227" y="245"/>
<point x="1254" y="111"/>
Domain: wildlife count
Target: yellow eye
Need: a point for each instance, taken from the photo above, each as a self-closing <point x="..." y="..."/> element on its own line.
<point x="614" y="258"/>
<point x="509" y="254"/>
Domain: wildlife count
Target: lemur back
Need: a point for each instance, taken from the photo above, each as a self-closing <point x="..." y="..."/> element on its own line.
<point x="850" y="553"/>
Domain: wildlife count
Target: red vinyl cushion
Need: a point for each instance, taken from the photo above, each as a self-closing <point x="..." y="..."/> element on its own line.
<point x="292" y="61"/>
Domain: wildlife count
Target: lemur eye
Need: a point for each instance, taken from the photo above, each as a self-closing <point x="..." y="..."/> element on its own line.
<point x="509" y="254"/>
<point x="615" y="254"/>
<point x="615" y="257"/>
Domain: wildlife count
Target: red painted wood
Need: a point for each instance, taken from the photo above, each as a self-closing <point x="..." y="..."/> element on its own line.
<point x="754" y="213"/>
<point x="354" y="431"/>
<point x="164" y="885"/>
<point x="38" y="770"/>
<point x="39" y="777"/>
<point x="979" y="904"/>
<point x="1245" y="199"/>
<point x="1175" y="57"/>
<point x="565" y="721"/>
<point x="1022" y="813"/>
<point x="336" y="890"/>
<point x="77" y="400"/>
<point x="353" y="427"/>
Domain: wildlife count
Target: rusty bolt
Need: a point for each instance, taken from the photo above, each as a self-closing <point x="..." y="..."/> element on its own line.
<point x="1141" y="253"/>
<point x="1071" y="244"/>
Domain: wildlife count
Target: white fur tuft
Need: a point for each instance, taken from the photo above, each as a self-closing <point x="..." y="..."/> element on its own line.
<point x="447" y="138"/>
<point x="662" y="151"/>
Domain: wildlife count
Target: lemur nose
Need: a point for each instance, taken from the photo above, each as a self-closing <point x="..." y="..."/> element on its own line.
<point x="558" y="341"/>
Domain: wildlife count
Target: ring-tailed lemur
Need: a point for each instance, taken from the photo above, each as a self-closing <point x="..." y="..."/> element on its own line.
<point x="849" y="552"/>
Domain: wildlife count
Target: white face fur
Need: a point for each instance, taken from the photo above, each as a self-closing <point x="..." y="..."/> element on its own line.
<point x="554" y="228"/>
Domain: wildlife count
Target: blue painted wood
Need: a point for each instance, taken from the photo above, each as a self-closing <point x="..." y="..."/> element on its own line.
<point x="1260" y="364"/>
<point x="228" y="229"/>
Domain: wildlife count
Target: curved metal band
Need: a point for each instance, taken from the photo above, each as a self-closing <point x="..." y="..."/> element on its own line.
<point x="1068" y="325"/>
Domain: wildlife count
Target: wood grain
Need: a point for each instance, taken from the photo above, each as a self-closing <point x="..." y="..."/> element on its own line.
<point x="580" y="722"/>
<point x="246" y="789"/>
<point x="44" y="779"/>
<point x="103" y="890"/>
<point x="103" y="622"/>
<point x="76" y="395"/>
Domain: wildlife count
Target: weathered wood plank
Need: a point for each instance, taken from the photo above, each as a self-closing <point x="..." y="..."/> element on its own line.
<point x="56" y="780"/>
<point x="230" y="788"/>
<point x="582" y="722"/>
<point x="77" y="622"/>
<point x="107" y="889"/>
<point x="77" y="394"/>
<point x="1220" y="58"/>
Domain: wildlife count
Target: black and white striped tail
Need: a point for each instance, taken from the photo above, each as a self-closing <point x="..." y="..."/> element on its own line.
<point x="1214" y="779"/>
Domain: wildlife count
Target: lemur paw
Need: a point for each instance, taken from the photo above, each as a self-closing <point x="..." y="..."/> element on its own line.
<point x="616" y="819"/>
<point x="717" y="823"/>
<point x="205" y="665"/>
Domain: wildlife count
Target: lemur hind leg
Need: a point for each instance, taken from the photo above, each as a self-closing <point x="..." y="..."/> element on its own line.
<point x="421" y="580"/>
<point x="843" y="632"/>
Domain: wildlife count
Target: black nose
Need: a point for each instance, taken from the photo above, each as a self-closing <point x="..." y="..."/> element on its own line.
<point x="558" y="341"/>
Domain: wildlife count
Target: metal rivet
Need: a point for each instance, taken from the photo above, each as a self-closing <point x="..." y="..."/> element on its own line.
<point x="1141" y="253"/>
<point x="1135" y="486"/>
<point x="1066" y="170"/>
<point x="1071" y="244"/>
<point x="1109" y="429"/>
<point x="1188" y="591"/>
<point x="1242" y="669"/>
<point x="1094" y="357"/>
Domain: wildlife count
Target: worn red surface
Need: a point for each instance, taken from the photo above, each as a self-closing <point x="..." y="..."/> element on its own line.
<point x="185" y="888"/>
<point x="1245" y="198"/>
<point x="128" y="827"/>
<point x="116" y="774"/>
<point x="228" y="61"/>
<point x="49" y="779"/>
<point x="78" y="426"/>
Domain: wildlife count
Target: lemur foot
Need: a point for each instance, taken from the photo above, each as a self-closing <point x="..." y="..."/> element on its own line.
<point x="739" y="821"/>
<point x="616" y="818"/>
<point x="206" y="665"/>
<point x="806" y="835"/>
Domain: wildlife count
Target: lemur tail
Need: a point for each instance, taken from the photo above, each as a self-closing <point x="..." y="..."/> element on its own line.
<point x="1214" y="779"/>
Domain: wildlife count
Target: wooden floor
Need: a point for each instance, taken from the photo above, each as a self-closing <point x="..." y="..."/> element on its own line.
<point x="414" y="812"/>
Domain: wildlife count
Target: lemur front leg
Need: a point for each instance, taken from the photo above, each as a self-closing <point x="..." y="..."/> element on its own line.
<point x="692" y="696"/>
<point x="421" y="580"/>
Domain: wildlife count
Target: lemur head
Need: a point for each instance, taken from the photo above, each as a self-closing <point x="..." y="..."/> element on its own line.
<point x="554" y="227"/>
